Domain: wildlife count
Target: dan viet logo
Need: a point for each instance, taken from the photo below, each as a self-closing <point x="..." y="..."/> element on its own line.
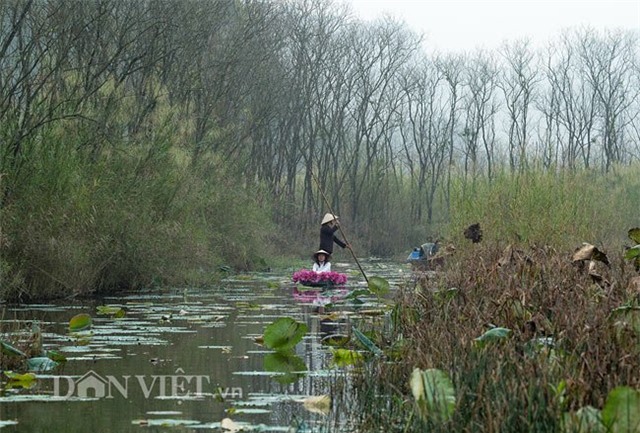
<point x="179" y="385"/>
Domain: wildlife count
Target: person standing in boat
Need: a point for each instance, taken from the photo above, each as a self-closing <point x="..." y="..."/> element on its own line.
<point x="328" y="228"/>
<point x="321" y="261"/>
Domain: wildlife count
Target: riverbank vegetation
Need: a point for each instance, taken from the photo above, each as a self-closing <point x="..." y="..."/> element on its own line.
<point x="526" y="339"/>
<point x="154" y="143"/>
<point x="525" y="330"/>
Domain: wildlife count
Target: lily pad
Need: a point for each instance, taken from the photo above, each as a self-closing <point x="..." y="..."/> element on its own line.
<point x="345" y="357"/>
<point x="632" y="253"/>
<point x="372" y="312"/>
<point x="23" y="377"/>
<point x="634" y="235"/>
<point x="358" y="292"/>
<point x="41" y="364"/>
<point x="18" y="380"/>
<point x="117" y="312"/>
<point x="284" y="334"/>
<point x="56" y="356"/>
<point x="378" y="285"/>
<point x="335" y="340"/>
<point x="80" y="322"/>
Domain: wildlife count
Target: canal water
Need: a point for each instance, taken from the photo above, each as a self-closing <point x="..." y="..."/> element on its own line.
<point x="191" y="359"/>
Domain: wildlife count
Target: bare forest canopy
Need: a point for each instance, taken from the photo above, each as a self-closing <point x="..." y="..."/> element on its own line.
<point x="167" y="109"/>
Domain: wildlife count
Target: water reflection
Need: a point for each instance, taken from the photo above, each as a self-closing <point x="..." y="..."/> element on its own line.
<point x="186" y="358"/>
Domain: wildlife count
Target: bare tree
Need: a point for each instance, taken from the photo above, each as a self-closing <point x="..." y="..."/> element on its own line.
<point x="607" y="64"/>
<point x="517" y="82"/>
<point x="424" y="133"/>
<point x="573" y="105"/>
<point x="451" y="67"/>
<point x="380" y="51"/>
<point x="480" y="108"/>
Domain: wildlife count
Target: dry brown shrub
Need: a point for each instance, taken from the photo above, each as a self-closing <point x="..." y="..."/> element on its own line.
<point x="537" y="292"/>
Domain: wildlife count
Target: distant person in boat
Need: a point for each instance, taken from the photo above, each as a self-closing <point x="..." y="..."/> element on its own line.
<point x="328" y="228"/>
<point x="322" y="261"/>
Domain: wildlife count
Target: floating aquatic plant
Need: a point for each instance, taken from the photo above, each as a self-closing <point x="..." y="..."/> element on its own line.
<point x="284" y="333"/>
<point x="80" y="322"/>
<point x="378" y="285"/>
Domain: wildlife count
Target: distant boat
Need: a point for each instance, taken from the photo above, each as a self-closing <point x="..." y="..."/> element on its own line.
<point x="424" y="252"/>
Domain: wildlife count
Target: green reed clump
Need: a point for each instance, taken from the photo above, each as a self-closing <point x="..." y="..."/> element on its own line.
<point x="566" y="348"/>
<point x="549" y="208"/>
<point x="139" y="215"/>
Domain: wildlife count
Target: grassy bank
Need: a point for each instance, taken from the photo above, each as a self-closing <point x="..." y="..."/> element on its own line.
<point x="557" y="209"/>
<point x="565" y="339"/>
<point x="139" y="216"/>
<point x="570" y="343"/>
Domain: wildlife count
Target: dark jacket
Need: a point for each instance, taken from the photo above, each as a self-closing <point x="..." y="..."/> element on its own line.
<point x="328" y="237"/>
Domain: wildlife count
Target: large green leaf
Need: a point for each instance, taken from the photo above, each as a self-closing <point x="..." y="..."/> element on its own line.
<point x="80" y="322"/>
<point x="634" y="235"/>
<point x="345" y="357"/>
<point x="284" y="334"/>
<point x="116" y="312"/>
<point x="366" y="342"/>
<point x="492" y="335"/>
<point x="632" y="253"/>
<point x="621" y="412"/>
<point x="41" y="364"/>
<point x="9" y="350"/>
<point x="433" y="391"/>
<point x="586" y="420"/>
<point x="378" y="285"/>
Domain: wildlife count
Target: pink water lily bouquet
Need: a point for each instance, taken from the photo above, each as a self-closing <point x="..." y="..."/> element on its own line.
<point x="305" y="276"/>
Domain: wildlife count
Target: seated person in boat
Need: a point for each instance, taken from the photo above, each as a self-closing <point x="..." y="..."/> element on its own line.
<point x="321" y="261"/>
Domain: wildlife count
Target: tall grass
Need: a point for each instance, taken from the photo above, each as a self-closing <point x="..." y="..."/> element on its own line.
<point x="138" y="216"/>
<point x="520" y="277"/>
<point x="517" y="384"/>
<point x="560" y="209"/>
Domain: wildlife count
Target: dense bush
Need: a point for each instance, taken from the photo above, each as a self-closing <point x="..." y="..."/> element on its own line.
<point x="570" y="342"/>
<point x="139" y="217"/>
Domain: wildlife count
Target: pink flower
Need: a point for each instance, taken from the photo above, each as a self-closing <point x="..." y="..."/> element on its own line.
<point x="307" y="276"/>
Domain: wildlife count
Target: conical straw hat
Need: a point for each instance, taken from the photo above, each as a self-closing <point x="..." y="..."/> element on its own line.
<point x="328" y="217"/>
